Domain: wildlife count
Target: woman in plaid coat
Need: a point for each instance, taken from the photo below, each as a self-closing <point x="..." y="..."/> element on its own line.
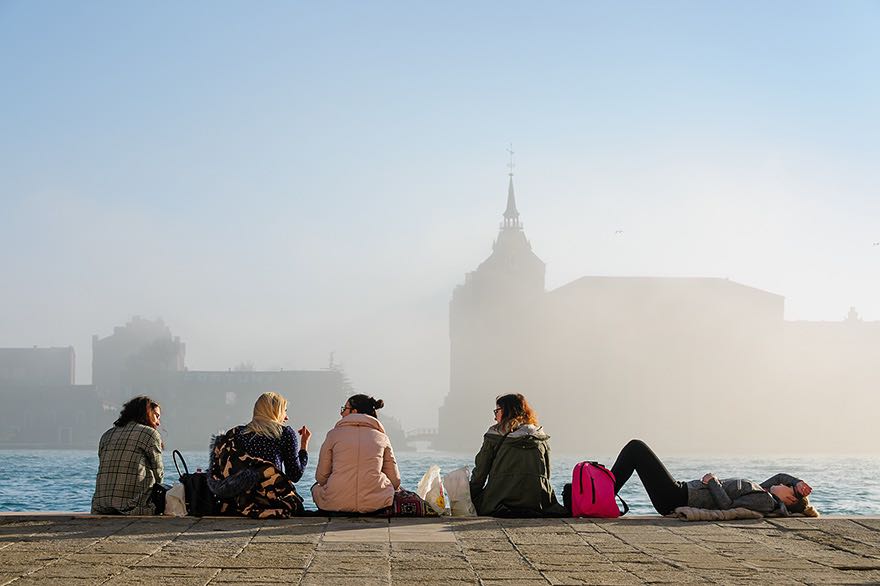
<point x="129" y="461"/>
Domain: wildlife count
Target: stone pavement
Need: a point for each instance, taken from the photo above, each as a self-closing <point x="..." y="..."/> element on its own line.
<point x="80" y="549"/>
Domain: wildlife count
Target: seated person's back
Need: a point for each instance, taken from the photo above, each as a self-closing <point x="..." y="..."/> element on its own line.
<point x="254" y="466"/>
<point x="511" y="475"/>
<point x="129" y="461"/>
<point x="356" y="471"/>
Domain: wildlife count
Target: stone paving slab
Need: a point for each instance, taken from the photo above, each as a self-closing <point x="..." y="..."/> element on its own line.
<point x="89" y="550"/>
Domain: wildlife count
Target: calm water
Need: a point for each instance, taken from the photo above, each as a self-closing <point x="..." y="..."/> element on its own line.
<point x="47" y="480"/>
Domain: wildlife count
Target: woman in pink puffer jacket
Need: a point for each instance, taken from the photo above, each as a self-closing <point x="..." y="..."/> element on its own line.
<point x="357" y="472"/>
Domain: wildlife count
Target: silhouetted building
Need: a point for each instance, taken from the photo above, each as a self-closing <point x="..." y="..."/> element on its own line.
<point x="37" y="366"/>
<point x="197" y="404"/>
<point x="604" y="359"/>
<point x="143" y="357"/>
<point x="42" y="407"/>
<point x="132" y="353"/>
<point x="493" y="319"/>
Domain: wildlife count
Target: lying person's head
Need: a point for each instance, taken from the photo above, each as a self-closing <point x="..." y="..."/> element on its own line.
<point x="794" y="503"/>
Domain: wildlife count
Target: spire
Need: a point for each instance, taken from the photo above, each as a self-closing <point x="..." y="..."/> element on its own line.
<point x="511" y="215"/>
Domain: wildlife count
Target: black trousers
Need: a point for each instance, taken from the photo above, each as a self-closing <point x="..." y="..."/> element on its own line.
<point x="666" y="493"/>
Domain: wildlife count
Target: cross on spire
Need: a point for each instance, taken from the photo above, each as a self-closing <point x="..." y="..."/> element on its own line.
<point x="510" y="165"/>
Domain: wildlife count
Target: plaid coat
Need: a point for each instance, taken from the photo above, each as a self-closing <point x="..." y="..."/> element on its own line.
<point x="129" y="464"/>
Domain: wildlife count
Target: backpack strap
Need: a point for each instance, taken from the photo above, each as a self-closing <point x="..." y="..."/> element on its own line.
<point x="498" y="447"/>
<point x="625" y="506"/>
<point x="610" y="474"/>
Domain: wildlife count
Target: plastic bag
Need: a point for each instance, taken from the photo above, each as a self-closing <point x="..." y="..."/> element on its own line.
<point x="175" y="501"/>
<point x="458" y="488"/>
<point x="431" y="490"/>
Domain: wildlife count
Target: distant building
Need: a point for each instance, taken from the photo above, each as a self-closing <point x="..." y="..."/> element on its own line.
<point x="602" y="359"/>
<point x="137" y="350"/>
<point x="198" y="404"/>
<point x="494" y="318"/>
<point x="143" y="357"/>
<point x="37" y="366"/>
<point x="42" y="408"/>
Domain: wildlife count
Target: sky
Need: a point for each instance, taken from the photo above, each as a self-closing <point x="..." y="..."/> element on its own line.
<point x="283" y="180"/>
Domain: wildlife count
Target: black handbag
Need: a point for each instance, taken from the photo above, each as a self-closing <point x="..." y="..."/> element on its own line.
<point x="200" y="501"/>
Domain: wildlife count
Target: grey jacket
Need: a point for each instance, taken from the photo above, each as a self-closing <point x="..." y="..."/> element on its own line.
<point x="730" y="493"/>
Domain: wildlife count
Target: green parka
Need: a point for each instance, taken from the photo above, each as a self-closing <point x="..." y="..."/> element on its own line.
<point x="517" y="467"/>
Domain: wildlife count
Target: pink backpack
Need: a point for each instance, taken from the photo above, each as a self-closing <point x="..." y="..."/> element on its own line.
<point x="592" y="492"/>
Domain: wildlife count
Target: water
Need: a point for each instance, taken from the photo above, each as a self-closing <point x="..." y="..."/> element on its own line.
<point x="63" y="480"/>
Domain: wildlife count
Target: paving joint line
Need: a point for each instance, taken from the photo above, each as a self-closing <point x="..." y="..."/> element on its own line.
<point x="652" y="555"/>
<point x="65" y="556"/>
<point x="517" y="550"/>
<point x="797" y="554"/>
<point x="314" y="550"/>
<point x="841" y="548"/>
<point x="703" y="573"/>
<point x="175" y="538"/>
<point x="868" y="527"/>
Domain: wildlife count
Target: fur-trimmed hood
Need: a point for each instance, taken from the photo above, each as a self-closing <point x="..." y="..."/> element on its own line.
<point x="528" y="429"/>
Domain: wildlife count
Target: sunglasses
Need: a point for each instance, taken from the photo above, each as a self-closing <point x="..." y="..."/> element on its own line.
<point x="496" y="410"/>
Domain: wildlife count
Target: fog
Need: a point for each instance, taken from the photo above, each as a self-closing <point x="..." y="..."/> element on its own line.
<point x="285" y="183"/>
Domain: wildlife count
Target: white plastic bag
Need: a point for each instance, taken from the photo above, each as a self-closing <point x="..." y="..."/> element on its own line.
<point x="431" y="490"/>
<point x="458" y="488"/>
<point x="175" y="501"/>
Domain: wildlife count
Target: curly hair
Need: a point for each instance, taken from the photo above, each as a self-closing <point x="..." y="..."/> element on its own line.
<point x="515" y="411"/>
<point x="136" y="410"/>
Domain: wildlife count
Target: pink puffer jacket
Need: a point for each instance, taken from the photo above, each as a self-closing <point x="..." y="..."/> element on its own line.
<point x="357" y="472"/>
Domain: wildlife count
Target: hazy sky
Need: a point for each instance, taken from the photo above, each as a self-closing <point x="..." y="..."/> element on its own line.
<point x="279" y="180"/>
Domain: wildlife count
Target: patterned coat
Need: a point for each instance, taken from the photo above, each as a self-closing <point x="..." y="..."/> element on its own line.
<point x="266" y="494"/>
<point x="129" y="464"/>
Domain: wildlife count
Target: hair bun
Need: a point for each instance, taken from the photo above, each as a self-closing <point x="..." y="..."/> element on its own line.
<point x="378" y="403"/>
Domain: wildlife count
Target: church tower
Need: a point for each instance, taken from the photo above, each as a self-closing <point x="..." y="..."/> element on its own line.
<point x="492" y="319"/>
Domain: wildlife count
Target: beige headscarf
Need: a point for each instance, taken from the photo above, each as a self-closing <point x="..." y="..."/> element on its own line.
<point x="268" y="415"/>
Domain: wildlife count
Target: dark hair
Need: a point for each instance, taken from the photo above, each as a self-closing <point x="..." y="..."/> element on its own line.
<point x="366" y="405"/>
<point x="136" y="410"/>
<point x="515" y="411"/>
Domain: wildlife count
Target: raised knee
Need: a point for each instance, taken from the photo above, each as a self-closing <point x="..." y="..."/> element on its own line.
<point x="636" y="444"/>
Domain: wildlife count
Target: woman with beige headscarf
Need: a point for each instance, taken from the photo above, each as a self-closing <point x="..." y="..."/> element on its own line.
<point x="261" y="461"/>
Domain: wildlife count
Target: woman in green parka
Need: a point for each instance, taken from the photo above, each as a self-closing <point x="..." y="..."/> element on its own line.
<point x="511" y="476"/>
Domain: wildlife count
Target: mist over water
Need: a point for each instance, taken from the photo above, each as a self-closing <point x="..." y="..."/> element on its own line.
<point x="841" y="485"/>
<point x="680" y="244"/>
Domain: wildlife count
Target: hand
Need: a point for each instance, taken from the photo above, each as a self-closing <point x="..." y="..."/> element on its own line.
<point x="709" y="476"/>
<point x="802" y="489"/>
<point x="304" y="435"/>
